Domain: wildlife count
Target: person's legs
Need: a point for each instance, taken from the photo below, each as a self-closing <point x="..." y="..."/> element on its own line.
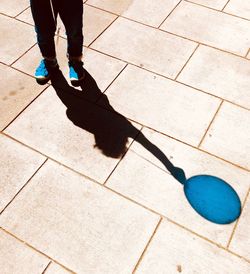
<point x="45" y="26"/>
<point x="71" y="13"/>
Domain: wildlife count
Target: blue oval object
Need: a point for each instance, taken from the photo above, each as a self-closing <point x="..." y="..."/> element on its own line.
<point x="213" y="198"/>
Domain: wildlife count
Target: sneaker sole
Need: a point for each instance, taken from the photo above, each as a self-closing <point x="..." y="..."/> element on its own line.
<point x="42" y="81"/>
<point x="76" y="83"/>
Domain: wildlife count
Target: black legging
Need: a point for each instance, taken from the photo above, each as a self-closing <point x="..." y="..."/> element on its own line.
<point x="71" y="13"/>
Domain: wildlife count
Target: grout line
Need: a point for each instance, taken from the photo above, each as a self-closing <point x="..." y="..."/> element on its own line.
<point x="101" y="9"/>
<point x="21" y="12"/>
<point x="237" y="222"/>
<point x="23" y="54"/>
<point x="169" y="14"/>
<point x="46" y="267"/>
<point x="210" y="124"/>
<point x="24" y="186"/>
<point x="147" y="245"/>
<point x="196" y="48"/>
<point x="102" y="32"/>
<point x="225" y="5"/>
<point x="34" y="249"/>
<point x="247" y="54"/>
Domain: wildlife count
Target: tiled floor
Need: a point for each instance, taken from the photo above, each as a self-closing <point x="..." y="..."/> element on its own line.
<point x="83" y="187"/>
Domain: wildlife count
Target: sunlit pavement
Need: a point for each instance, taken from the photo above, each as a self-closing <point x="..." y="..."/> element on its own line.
<point x="86" y="184"/>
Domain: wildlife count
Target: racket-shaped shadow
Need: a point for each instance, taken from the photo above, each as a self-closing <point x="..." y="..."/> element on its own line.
<point x="212" y="198"/>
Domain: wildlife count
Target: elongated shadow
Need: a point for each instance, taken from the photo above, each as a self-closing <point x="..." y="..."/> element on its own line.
<point x="110" y="129"/>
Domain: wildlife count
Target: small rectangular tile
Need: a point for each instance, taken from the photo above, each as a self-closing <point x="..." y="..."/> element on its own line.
<point x="239" y="7"/>
<point x="241" y="240"/>
<point x="147" y="47"/>
<point x="17" y="165"/>
<point x="56" y="269"/>
<point x="220" y="74"/>
<point x="17" y="91"/>
<point x="174" y="250"/>
<point x="75" y="132"/>
<point x="143" y="178"/>
<point x="223" y="31"/>
<point x="104" y="73"/>
<point x="145" y="11"/>
<point x="215" y="4"/>
<point x="80" y="224"/>
<point x="16" y="38"/>
<point x="18" y="258"/>
<point x="229" y="135"/>
<point x="162" y="104"/>
<point x="13" y="7"/>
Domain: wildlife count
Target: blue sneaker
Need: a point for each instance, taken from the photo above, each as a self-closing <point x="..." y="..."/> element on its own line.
<point x="44" y="70"/>
<point x="76" y="72"/>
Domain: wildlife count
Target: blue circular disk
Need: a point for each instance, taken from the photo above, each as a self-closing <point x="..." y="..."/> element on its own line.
<point x="213" y="198"/>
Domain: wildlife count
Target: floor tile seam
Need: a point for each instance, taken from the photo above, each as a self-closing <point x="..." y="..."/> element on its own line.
<point x="210" y="123"/>
<point x="172" y="79"/>
<point x="22" y="11"/>
<point x="148" y="209"/>
<point x="20" y="56"/>
<point x="247" y="54"/>
<point x="184" y="66"/>
<point x="24" y="186"/>
<point x="238" y="220"/>
<point x="218" y="10"/>
<point x="25" y="107"/>
<point x="101" y="9"/>
<point x="36" y="250"/>
<point x="163" y="21"/>
<point x="225" y="5"/>
<point x="147" y="245"/>
<point x="100" y="34"/>
<point x="45" y="269"/>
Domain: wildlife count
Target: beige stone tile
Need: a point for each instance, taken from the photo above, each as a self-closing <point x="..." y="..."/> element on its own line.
<point x="18" y="258"/>
<point x="103" y="68"/>
<point x="26" y="16"/>
<point x="13" y="7"/>
<point x="78" y="223"/>
<point x="141" y="177"/>
<point x="219" y="73"/>
<point x="223" y="31"/>
<point x="146" y="11"/>
<point x="16" y="38"/>
<point x="17" y="165"/>
<point x="241" y="240"/>
<point x="56" y="269"/>
<point x="141" y="45"/>
<point x="174" y="250"/>
<point x="229" y="135"/>
<point x="239" y="7"/>
<point x="215" y="4"/>
<point x="162" y="104"/>
<point x="17" y="91"/>
<point x="92" y="146"/>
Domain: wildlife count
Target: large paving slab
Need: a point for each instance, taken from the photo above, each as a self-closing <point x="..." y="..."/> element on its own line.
<point x="18" y="258"/>
<point x="17" y="91"/>
<point x="145" y="11"/>
<point x="13" y="30"/>
<point x="78" y="223"/>
<point x="17" y="165"/>
<point x="174" y="250"/>
<point x="223" y="31"/>
<point x="229" y="135"/>
<point x="92" y="145"/>
<point x="241" y="240"/>
<point x="162" y="104"/>
<point x="215" y="4"/>
<point x="144" y="46"/>
<point x="219" y="73"/>
<point x="108" y="68"/>
<point x="239" y="7"/>
<point x="13" y="7"/>
<point x="143" y="178"/>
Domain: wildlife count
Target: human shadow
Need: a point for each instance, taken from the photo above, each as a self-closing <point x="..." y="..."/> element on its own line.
<point x="111" y="130"/>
